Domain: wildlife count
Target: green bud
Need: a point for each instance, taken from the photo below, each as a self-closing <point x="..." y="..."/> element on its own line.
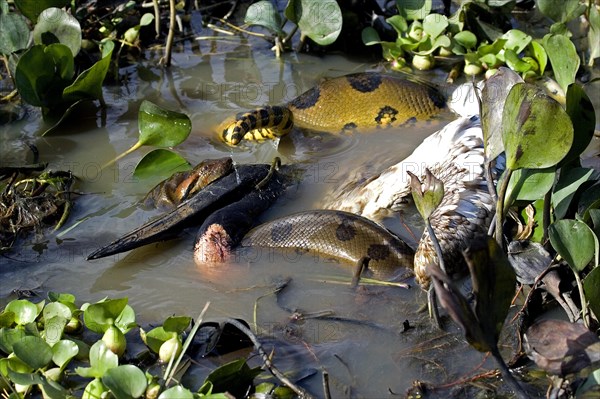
<point x="170" y="348"/>
<point x="115" y="340"/>
<point x="152" y="390"/>
<point x="423" y="62"/>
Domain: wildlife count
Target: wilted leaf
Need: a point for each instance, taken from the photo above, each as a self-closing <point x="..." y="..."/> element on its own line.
<point x="574" y="241"/>
<point x="160" y="127"/>
<point x="320" y="20"/>
<point x="537" y="132"/>
<point x="560" y="347"/>
<point x="427" y="195"/>
<point x="264" y="13"/>
<point x="160" y="164"/>
<point x="528" y="259"/>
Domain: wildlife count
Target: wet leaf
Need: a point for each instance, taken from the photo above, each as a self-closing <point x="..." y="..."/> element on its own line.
<point x="435" y="24"/>
<point x="63" y="351"/>
<point x="88" y="85"/>
<point x="25" y="311"/>
<point x="516" y="40"/>
<point x="537" y="131"/>
<point x="574" y="241"/>
<point x="126" y="381"/>
<point x="563" y="57"/>
<point x="566" y="187"/>
<point x="466" y="39"/>
<point x="528" y="259"/>
<point x="102" y="359"/>
<point x="61" y="25"/>
<point x="264" y="13"/>
<point x="126" y="319"/>
<point x="177" y="392"/>
<point x="591" y="288"/>
<point x="583" y="116"/>
<point x="458" y="308"/>
<point x="177" y="324"/>
<point x="414" y="9"/>
<point x="494" y="284"/>
<point x="32" y="9"/>
<point x="530" y="184"/>
<point x="493" y="98"/>
<point x="561" y="10"/>
<point x="160" y="164"/>
<point x="36" y="78"/>
<point x="233" y="377"/>
<point x="98" y="317"/>
<point x="320" y="20"/>
<point x="34" y="351"/>
<point x="160" y="127"/>
<point x="560" y="347"/>
<point x="14" y="33"/>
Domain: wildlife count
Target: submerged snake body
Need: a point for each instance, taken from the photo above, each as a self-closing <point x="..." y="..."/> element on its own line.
<point x="339" y="235"/>
<point x="361" y="101"/>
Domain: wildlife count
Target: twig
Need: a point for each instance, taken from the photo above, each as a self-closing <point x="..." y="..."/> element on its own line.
<point x="166" y="59"/>
<point x="267" y="361"/>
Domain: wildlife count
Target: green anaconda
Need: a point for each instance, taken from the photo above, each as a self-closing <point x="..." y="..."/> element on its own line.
<point x="361" y="101"/>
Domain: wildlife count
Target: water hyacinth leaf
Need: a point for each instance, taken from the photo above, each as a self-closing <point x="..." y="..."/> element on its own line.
<point x="99" y="316"/>
<point x="429" y="45"/>
<point x="14" y="33"/>
<point x="7" y="318"/>
<point x="8" y="337"/>
<point x="589" y="202"/>
<point x="160" y="164"/>
<point x="370" y="36"/>
<point x="398" y="23"/>
<point x="63" y="351"/>
<point x="54" y="328"/>
<point x="493" y="99"/>
<point x="62" y="25"/>
<point x="594" y="35"/>
<point x="574" y="241"/>
<point x="583" y="116"/>
<point x="126" y="381"/>
<point x="177" y="324"/>
<point x="530" y="184"/>
<point x="563" y="58"/>
<point x="566" y="187"/>
<point x="126" y="319"/>
<point x="95" y="389"/>
<point x="56" y="309"/>
<point x="235" y="376"/>
<point x="32" y="8"/>
<point x="595" y="216"/>
<point x="156" y="337"/>
<point x="25" y="379"/>
<point x="516" y="40"/>
<point x="61" y="297"/>
<point x="466" y="39"/>
<point x="88" y="85"/>
<point x="538" y="51"/>
<point x="34" y="351"/>
<point x="160" y="127"/>
<point x="537" y="132"/>
<point x="177" y="392"/>
<point x="560" y="347"/>
<point x="414" y="9"/>
<point x="515" y="63"/>
<point x="102" y="359"/>
<point x="264" y="13"/>
<point x="25" y="311"/>
<point x="494" y="284"/>
<point x="435" y="24"/>
<point x="34" y="75"/>
<point x="591" y="288"/>
<point x="561" y="10"/>
<point x="320" y="20"/>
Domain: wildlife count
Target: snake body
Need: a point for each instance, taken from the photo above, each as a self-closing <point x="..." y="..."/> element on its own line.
<point x="340" y="235"/>
<point x="361" y="101"/>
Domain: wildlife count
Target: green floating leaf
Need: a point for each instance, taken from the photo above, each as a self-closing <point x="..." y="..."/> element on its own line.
<point x="61" y="297"/>
<point x="574" y="241"/>
<point x="88" y="85"/>
<point x="569" y="182"/>
<point x="234" y="377"/>
<point x="160" y="127"/>
<point x="435" y="24"/>
<point x="264" y="13"/>
<point x="63" y="351"/>
<point x="156" y="337"/>
<point x="62" y="25"/>
<point x="177" y="324"/>
<point x="25" y="311"/>
<point x="538" y="51"/>
<point x="515" y="63"/>
<point x="563" y="57"/>
<point x="32" y="8"/>
<point x="34" y="351"/>
<point x="414" y="9"/>
<point x="126" y="319"/>
<point x="537" y="132"/>
<point x="126" y="381"/>
<point x="466" y="39"/>
<point x="94" y="390"/>
<point x="102" y="359"/>
<point x="561" y="10"/>
<point x="98" y="317"/>
<point x="177" y="392"/>
<point x="8" y="337"/>
<point x="14" y="33"/>
<point x="398" y="23"/>
<point x="7" y="318"/>
<point x="320" y="20"/>
<point x="516" y="40"/>
<point x="25" y="379"/>
<point x="160" y="164"/>
<point x="370" y="36"/>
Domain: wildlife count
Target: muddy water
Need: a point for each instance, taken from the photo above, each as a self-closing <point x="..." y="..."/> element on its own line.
<point x="361" y="344"/>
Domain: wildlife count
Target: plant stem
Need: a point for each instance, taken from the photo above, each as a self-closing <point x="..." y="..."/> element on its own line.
<point x="129" y="151"/>
<point x="436" y="244"/>
<point x="508" y="377"/>
<point x="584" y="312"/>
<point x="500" y="207"/>
<point x="166" y="59"/>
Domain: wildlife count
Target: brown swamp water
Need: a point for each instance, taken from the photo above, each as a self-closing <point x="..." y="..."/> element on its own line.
<point x="364" y="350"/>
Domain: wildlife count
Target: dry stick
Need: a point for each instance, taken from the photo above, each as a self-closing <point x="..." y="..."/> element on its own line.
<point x="267" y="362"/>
<point x="166" y="59"/>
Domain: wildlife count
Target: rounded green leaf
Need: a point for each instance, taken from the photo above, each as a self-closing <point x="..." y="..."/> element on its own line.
<point x="146" y="19"/>
<point x="563" y="58"/>
<point x="99" y="316"/>
<point x="32" y="8"/>
<point x="264" y="13"/>
<point x="435" y="24"/>
<point x="537" y="132"/>
<point x="516" y="40"/>
<point x="54" y="328"/>
<point x="94" y="390"/>
<point x="63" y="60"/>
<point x="177" y="324"/>
<point x="126" y="319"/>
<point x="56" y="309"/>
<point x="370" y="36"/>
<point x="126" y="381"/>
<point x="398" y="23"/>
<point x="88" y="84"/>
<point x="62" y="25"/>
<point x="34" y="351"/>
<point x="63" y="351"/>
<point x="530" y="184"/>
<point x="14" y="33"/>
<point x="177" y="392"/>
<point x="156" y="337"/>
<point x="25" y="311"/>
<point x="102" y="359"/>
<point x="466" y="39"/>
<point x="160" y="127"/>
<point x="160" y="164"/>
<point x="8" y="336"/>
<point x="320" y="20"/>
<point x="414" y="9"/>
<point x="574" y="241"/>
<point x="32" y="75"/>
<point x="561" y="10"/>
